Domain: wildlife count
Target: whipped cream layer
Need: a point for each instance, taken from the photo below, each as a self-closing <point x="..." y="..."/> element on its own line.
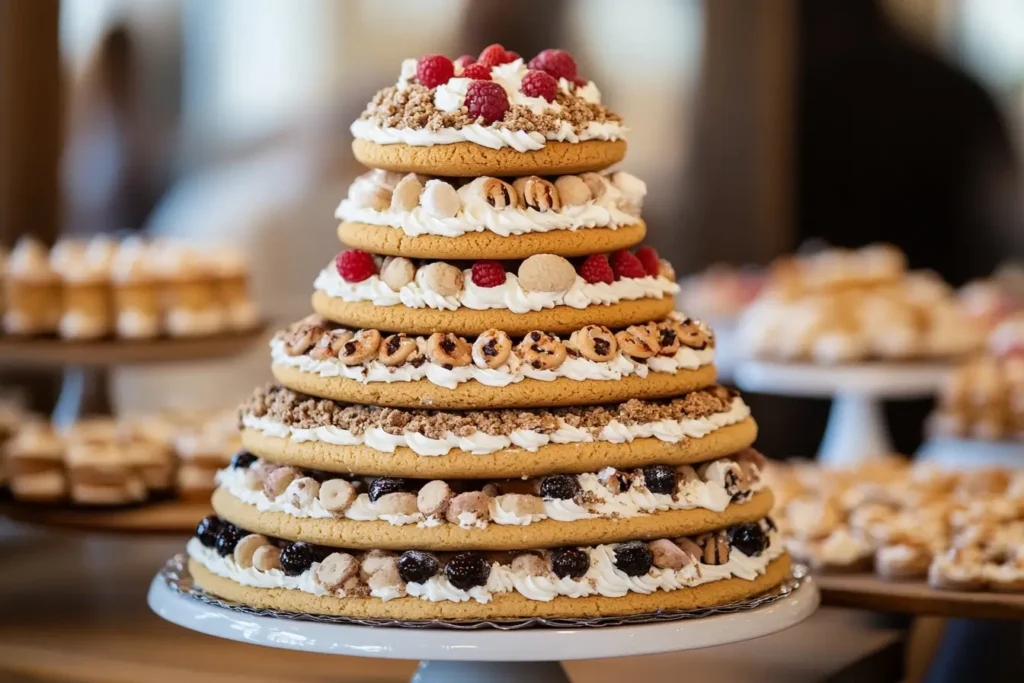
<point x="510" y="295"/>
<point x="603" y="578"/>
<point x="514" y="370"/>
<point x="601" y="502"/>
<point x="481" y="443"/>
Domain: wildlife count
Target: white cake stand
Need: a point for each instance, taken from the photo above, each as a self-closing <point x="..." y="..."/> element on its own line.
<point x="484" y="656"/>
<point x="972" y="453"/>
<point x="856" y="424"/>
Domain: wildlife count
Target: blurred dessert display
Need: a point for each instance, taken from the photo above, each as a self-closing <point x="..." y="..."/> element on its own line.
<point x="721" y="292"/>
<point x="126" y="288"/>
<point x="106" y="461"/>
<point x="984" y="397"/>
<point x="844" y="306"/>
<point x="958" y="530"/>
<point x="989" y="300"/>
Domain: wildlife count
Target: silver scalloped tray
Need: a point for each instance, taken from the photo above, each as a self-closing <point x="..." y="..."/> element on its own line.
<point x="177" y="577"/>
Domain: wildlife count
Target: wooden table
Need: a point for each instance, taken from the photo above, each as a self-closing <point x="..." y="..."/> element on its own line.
<point x="170" y="517"/>
<point x="74" y="611"/>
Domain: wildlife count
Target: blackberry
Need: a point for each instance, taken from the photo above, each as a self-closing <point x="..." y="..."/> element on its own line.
<point x="227" y="538"/>
<point x="381" y="486"/>
<point x="207" y="530"/>
<point x="749" y="538"/>
<point x="298" y="557"/>
<point x="415" y="566"/>
<point x="660" y="479"/>
<point x="467" y="570"/>
<point x="571" y="562"/>
<point x="560" y="486"/>
<point x="634" y="558"/>
<point x="242" y="460"/>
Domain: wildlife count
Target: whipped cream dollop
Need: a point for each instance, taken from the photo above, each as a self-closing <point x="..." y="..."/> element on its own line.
<point x="510" y="295"/>
<point x="603" y="578"/>
<point x="481" y="443"/>
<point x="514" y="370"/>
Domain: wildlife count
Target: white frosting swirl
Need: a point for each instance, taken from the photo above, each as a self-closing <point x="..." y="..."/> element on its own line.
<point x="486" y="136"/>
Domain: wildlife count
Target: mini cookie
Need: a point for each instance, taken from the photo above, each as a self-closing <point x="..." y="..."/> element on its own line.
<point x="464" y="321"/>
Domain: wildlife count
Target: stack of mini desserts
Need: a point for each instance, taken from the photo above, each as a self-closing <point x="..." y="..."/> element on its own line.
<point x="129" y="289"/>
<point x="984" y="397"/>
<point x="846" y="306"/>
<point x="958" y="530"/>
<point x="494" y="411"/>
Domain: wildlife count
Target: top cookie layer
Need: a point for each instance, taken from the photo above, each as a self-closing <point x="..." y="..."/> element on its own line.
<point x="495" y="115"/>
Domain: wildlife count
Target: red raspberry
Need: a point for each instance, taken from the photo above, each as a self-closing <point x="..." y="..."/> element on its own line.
<point x="477" y="72"/>
<point x="539" y="84"/>
<point x="465" y="60"/>
<point x="511" y="57"/>
<point x="492" y="55"/>
<point x="488" y="274"/>
<point x="625" y="264"/>
<point x="434" y="70"/>
<point x="354" y="265"/>
<point x="649" y="258"/>
<point x="558" y="63"/>
<point x="486" y="99"/>
<point x="596" y="269"/>
<point x="580" y="81"/>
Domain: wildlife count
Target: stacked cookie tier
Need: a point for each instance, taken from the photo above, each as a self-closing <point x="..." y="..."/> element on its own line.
<point x="494" y="411"/>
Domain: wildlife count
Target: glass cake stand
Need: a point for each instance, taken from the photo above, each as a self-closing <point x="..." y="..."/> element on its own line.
<point x="856" y="424"/>
<point x="485" y="655"/>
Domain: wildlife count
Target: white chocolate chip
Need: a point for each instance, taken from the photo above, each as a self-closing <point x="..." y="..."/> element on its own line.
<point x="398" y="503"/>
<point x="442" y="278"/>
<point x="433" y="498"/>
<point x="381" y="200"/>
<point x="302" y="492"/>
<point x="247" y="547"/>
<point x="546" y="273"/>
<point x="336" y="569"/>
<point x="407" y="194"/>
<point x="397" y="272"/>
<point x="439" y="199"/>
<point x="267" y="557"/>
<point x="572" y="190"/>
<point x="336" y="495"/>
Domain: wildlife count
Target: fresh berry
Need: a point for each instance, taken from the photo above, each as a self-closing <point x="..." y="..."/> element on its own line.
<point x="660" y="479"/>
<point x="493" y="55"/>
<point x="465" y="60"/>
<point x="320" y="475"/>
<point x="488" y="274"/>
<point x="207" y="530"/>
<point x="649" y="258"/>
<point x="487" y="100"/>
<point x="748" y="538"/>
<point x="415" y="566"/>
<point x="558" y="63"/>
<point x="354" y="265"/>
<point x="626" y="264"/>
<point x="227" y="538"/>
<point x="539" y="84"/>
<point x="579" y="81"/>
<point x="477" y="72"/>
<point x="511" y="56"/>
<point x="597" y="269"/>
<point x="434" y="70"/>
<point x="569" y="562"/>
<point x="634" y="558"/>
<point x="298" y="557"/>
<point x="242" y="460"/>
<point x="382" y="486"/>
<point x="560" y="486"/>
<point x="467" y="570"/>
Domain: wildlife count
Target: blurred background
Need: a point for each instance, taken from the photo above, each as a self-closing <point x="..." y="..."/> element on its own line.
<point x="756" y="126"/>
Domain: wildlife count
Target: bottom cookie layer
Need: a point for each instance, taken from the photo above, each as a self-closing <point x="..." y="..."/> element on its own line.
<point x="502" y="606"/>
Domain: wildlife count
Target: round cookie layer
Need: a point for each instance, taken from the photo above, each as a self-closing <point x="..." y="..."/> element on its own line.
<point x="511" y="463"/>
<point x="466" y="321"/>
<point x="547" y="533"/>
<point x="502" y="606"/>
<point x="529" y="393"/>
<point x="389" y="241"/>
<point x="468" y="159"/>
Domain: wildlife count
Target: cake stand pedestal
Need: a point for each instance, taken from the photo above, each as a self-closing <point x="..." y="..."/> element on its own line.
<point x="856" y="425"/>
<point x="972" y="453"/>
<point x="484" y="656"/>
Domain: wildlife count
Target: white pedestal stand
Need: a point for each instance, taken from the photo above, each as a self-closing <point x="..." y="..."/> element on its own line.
<point x="856" y="425"/>
<point x="484" y="656"/>
<point x="972" y="453"/>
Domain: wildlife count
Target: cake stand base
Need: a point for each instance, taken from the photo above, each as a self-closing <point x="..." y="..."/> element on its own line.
<point x="856" y="428"/>
<point x="491" y="672"/>
<point x="972" y="453"/>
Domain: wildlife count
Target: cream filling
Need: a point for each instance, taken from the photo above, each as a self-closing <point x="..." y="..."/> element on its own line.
<point x="487" y="136"/>
<point x="510" y="295"/>
<point x="601" y="579"/>
<point x="578" y="369"/>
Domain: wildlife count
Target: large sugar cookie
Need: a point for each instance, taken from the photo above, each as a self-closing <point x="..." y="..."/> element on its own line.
<point x="466" y="159"/>
<point x="502" y="606"/>
<point x="466" y="321"/>
<point x="389" y="241"/>
<point x="366" y="535"/>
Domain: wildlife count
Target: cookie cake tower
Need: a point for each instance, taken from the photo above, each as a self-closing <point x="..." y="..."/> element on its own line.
<point x="494" y="411"/>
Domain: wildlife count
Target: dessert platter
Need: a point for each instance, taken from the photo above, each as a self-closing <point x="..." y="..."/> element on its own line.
<point x="914" y="538"/>
<point x="858" y="327"/>
<point x="475" y="434"/>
